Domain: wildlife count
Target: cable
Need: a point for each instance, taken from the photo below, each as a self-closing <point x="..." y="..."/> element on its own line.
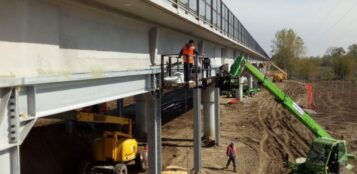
<point x="340" y="19"/>
<point x="338" y="2"/>
<point x="337" y="37"/>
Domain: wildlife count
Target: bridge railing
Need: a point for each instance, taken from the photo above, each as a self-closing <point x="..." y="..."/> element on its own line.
<point x="218" y="16"/>
<point x="171" y="63"/>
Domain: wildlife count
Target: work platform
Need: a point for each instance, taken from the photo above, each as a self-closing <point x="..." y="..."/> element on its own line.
<point x="62" y="55"/>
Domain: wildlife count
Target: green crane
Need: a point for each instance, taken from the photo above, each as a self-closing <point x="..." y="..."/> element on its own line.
<point x="327" y="155"/>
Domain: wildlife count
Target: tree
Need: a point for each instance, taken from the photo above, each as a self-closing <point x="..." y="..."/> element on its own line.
<point x="344" y="67"/>
<point x="286" y="48"/>
<point x="335" y="52"/>
<point x="352" y="50"/>
<point x="307" y="68"/>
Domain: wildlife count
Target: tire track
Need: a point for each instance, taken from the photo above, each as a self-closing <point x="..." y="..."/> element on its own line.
<point x="278" y="130"/>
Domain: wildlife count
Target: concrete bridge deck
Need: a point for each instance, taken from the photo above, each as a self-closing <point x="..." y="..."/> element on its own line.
<point x="60" y="55"/>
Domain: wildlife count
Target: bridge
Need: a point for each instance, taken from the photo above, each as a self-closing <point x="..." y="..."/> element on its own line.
<point x="61" y="55"/>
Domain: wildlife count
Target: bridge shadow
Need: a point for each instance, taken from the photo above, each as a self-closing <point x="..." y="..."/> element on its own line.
<point x="172" y="142"/>
<point x="173" y="104"/>
<point x="177" y="139"/>
<point x="176" y="145"/>
<point x="215" y="168"/>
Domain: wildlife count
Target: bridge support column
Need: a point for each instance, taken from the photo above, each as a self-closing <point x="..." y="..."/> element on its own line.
<point x="217" y="116"/>
<point x="250" y="81"/>
<point x="208" y="101"/>
<point x="11" y="136"/>
<point x="154" y="134"/>
<point x="239" y="92"/>
<point x="197" y="128"/>
<point x="120" y="107"/>
<point x="141" y="114"/>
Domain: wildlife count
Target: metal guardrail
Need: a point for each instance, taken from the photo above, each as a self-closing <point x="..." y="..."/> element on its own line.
<point x="198" y="68"/>
<point x="218" y="16"/>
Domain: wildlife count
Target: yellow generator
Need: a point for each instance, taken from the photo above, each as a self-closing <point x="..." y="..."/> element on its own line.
<point x="115" y="149"/>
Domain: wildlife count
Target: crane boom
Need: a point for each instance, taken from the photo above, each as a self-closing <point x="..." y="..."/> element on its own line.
<point x="236" y="70"/>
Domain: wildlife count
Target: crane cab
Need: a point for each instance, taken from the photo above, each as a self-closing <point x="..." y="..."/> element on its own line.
<point x="326" y="156"/>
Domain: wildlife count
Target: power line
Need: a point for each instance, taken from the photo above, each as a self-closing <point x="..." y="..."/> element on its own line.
<point x="332" y="37"/>
<point x="323" y="20"/>
<point x="340" y="19"/>
<point x="338" y="36"/>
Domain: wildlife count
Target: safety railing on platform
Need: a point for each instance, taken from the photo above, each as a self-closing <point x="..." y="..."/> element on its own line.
<point x="172" y="67"/>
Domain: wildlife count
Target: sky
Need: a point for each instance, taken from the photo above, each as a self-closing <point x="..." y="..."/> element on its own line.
<point x="320" y="23"/>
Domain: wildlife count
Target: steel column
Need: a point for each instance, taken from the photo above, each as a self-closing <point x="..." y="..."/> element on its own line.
<point x="197" y="128"/>
<point x="10" y="134"/>
<point x="141" y="114"/>
<point x="208" y="99"/>
<point x="217" y="116"/>
<point x="240" y="96"/>
<point x="154" y="134"/>
<point x="15" y="159"/>
<point x="250" y="81"/>
<point x="14" y="131"/>
<point x="120" y="106"/>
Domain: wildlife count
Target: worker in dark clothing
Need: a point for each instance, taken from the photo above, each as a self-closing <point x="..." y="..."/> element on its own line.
<point x="231" y="153"/>
<point x="189" y="53"/>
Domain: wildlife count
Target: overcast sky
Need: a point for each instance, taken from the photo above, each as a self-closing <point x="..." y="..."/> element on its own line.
<point x="321" y="23"/>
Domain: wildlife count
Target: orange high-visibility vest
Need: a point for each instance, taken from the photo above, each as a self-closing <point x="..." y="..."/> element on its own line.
<point x="188" y="53"/>
<point x="230" y="149"/>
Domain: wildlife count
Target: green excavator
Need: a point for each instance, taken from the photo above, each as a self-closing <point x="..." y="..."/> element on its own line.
<point x="327" y="155"/>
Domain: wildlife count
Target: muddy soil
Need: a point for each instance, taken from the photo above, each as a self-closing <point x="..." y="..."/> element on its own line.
<point x="264" y="131"/>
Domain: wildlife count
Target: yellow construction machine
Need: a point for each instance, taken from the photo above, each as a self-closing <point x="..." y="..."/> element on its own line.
<point x="115" y="150"/>
<point x="279" y="76"/>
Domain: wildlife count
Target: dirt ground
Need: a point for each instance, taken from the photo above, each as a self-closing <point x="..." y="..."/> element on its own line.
<point x="264" y="131"/>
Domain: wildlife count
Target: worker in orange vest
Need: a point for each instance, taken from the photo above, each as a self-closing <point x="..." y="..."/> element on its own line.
<point x="189" y="53"/>
<point x="231" y="154"/>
